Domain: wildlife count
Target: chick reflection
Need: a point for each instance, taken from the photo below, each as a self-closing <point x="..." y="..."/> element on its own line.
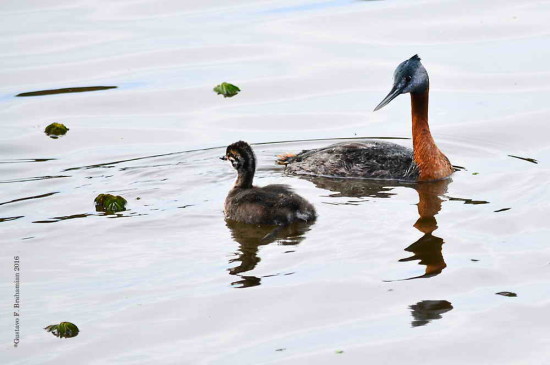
<point x="428" y="248"/>
<point x="427" y="310"/>
<point x="250" y="237"/>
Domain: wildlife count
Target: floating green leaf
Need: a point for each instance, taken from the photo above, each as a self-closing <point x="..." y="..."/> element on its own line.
<point x="227" y="90"/>
<point x="475" y="173"/>
<point x="339" y="351"/>
<point x="63" y="329"/>
<point x="55" y="130"/>
<point x="109" y="203"/>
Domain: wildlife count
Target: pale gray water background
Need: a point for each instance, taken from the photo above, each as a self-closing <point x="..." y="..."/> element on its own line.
<point x="167" y="281"/>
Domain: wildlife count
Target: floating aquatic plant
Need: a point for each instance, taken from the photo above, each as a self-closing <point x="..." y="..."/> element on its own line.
<point x="109" y="203"/>
<point x="227" y="90"/>
<point x="55" y="130"/>
<point x="63" y="329"/>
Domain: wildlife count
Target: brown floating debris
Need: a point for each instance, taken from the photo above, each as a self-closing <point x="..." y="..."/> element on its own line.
<point x="502" y="210"/>
<point x="66" y="90"/>
<point x="506" y="294"/>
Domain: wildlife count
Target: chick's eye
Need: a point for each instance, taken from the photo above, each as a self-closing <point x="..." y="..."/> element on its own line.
<point x="408" y="78"/>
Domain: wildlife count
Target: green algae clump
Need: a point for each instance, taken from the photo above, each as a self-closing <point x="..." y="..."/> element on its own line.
<point x="63" y="329"/>
<point x="227" y="90"/>
<point x="55" y="130"/>
<point x="109" y="203"/>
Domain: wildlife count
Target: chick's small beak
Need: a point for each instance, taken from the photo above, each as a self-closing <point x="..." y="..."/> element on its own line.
<point x="395" y="91"/>
<point x="223" y="158"/>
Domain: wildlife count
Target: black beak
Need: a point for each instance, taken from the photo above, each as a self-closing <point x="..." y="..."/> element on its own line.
<point x="395" y="91"/>
<point x="223" y="158"/>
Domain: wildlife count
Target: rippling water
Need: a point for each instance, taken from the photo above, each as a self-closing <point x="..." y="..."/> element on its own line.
<point x="389" y="273"/>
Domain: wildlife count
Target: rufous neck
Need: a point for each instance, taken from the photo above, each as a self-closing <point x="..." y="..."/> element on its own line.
<point x="431" y="162"/>
<point x="420" y="127"/>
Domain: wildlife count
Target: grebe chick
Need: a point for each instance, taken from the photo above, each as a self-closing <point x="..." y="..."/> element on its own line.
<point x="271" y="204"/>
<point x="384" y="160"/>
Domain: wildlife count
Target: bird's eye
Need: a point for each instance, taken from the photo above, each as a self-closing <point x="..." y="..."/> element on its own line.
<point x="408" y="78"/>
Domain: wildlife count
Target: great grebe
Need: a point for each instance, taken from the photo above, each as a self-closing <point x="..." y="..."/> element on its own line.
<point x="384" y="160"/>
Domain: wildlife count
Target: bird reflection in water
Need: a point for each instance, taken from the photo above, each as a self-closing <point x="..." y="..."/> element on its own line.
<point x="250" y="237"/>
<point x="427" y="310"/>
<point x="428" y="248"/>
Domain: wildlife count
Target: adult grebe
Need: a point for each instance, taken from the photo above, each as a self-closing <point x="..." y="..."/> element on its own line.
<point x="384" y="160"/>
<point x="271" y="204"/>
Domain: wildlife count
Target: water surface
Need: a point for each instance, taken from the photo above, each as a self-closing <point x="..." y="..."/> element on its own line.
<point x="390" y="272"/>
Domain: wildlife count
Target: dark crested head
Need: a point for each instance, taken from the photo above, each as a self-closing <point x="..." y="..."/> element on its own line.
<point x="409" y="77"/>
<point x="241" y="156"/>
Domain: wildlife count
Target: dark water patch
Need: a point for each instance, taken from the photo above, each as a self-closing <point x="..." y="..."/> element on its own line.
<point x="507" y="294"/>
<point x="33" y="179"/>
<point x="7" y="219"/>
<point x="98" y="177"/>
<point x="428" y="310"/>
<point x="66" y="90"/>
<point x="148" y="166"/>
<point x="532" y="160"/>
<point x="126" y="214"/>
<point x="469" y="201"/>
<point x="85" y="215"/>
<point x="148" y="181"/>
<point x="27" y="160"/>
<point x="29" y="198"/>
<point x="109" y="165"/>
<point x="63" y="218"/>
<point x="502" y="210"/>
<point x="353" y="203"/>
